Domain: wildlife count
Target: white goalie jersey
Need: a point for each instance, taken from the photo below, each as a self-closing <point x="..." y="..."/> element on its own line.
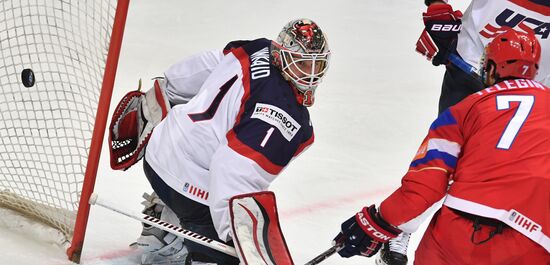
<point x="239" y="129"/>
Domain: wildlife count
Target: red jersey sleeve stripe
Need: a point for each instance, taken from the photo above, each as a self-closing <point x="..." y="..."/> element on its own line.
<point x="304" y="145"/>
<point x="246" y="151"/>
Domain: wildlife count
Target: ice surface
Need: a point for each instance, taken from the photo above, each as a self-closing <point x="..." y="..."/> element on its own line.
<point x="371" y="113"/>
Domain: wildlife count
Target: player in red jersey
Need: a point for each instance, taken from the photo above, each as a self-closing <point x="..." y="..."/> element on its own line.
<point x="448" y="31"/>
<point x="494" y="147"/>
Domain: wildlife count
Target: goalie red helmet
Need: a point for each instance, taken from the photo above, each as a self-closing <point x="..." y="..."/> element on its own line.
<point x="514" y="54"/>
<point x="301" y="52"/>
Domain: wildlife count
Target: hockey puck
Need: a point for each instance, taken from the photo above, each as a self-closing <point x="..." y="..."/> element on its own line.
<point x="27" y="77"/>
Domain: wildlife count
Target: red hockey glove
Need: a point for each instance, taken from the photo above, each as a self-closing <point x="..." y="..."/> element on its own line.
<point x="133" y="121"/>
<point x="364" y="233"/>
<point x="438" y="39"/>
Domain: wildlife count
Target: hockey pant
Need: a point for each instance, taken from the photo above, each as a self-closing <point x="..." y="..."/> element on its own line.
<point x="448" y="240"/>
<point x="193" y="216"/>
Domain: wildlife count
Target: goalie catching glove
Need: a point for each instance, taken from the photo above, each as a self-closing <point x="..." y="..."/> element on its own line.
<point x="364" y="233"/>
<point x="439" y="37"/>
<point x="133" y="121"/>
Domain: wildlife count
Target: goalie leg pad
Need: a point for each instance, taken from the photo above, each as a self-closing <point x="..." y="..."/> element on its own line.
<point x="256" y="230"/>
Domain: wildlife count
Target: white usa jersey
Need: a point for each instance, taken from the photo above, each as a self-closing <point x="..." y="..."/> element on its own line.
<point x="241" y="127"/>
<point x="485" y="18"/>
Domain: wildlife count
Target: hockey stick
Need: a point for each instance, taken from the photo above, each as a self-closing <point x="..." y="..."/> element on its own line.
<point x="324" y="255"/>
<point x="464" y="66"/>
<point x="170" y="228"/>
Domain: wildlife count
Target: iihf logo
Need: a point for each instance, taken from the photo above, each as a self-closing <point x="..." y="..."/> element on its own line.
<point x="510" y="19"/>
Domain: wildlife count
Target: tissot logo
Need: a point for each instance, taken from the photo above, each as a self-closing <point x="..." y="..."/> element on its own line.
<point x="278" y="118"/>
<point x="518" y="21"/>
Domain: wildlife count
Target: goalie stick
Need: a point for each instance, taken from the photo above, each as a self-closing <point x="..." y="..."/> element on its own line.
<point x="170" y="228"/>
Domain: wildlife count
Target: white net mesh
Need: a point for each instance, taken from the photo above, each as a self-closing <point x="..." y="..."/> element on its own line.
<point x="46" y="129"/>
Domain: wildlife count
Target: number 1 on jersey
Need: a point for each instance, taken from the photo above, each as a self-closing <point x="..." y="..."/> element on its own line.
<point x="267" y="135"/>
<point x="515" y="124"/>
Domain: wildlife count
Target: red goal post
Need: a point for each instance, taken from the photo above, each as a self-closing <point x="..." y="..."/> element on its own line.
<point x="77" y="243"/>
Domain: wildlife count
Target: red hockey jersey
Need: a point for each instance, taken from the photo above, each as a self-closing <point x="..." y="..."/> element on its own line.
<point x="494" y="147"/>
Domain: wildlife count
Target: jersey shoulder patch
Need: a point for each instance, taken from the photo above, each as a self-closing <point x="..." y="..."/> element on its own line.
<point x="277" y="117"/>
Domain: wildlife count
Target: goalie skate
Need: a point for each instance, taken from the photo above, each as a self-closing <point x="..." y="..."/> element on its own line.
<point x="158" y="246"/>
<point x="161" y="248"/>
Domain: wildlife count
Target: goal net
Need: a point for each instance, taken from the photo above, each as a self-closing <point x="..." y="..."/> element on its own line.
<point x="46" y="129"/>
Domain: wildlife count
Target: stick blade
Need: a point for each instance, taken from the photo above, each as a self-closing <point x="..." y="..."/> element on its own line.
<point x="256" y="230"/>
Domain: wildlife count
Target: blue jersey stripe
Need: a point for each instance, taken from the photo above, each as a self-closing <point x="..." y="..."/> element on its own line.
<point x="445" y="118"/>
<point x="448" y="159"/>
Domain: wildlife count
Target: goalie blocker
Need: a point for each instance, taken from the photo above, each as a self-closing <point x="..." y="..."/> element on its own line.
<point x="133" y="121"/>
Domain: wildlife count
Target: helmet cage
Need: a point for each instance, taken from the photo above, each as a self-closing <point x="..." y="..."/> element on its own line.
<point x="306" y="71"/>
<point x="301" y="52"/>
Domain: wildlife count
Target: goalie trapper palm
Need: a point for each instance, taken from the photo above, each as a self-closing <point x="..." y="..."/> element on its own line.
<point x="132" y="124"/>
